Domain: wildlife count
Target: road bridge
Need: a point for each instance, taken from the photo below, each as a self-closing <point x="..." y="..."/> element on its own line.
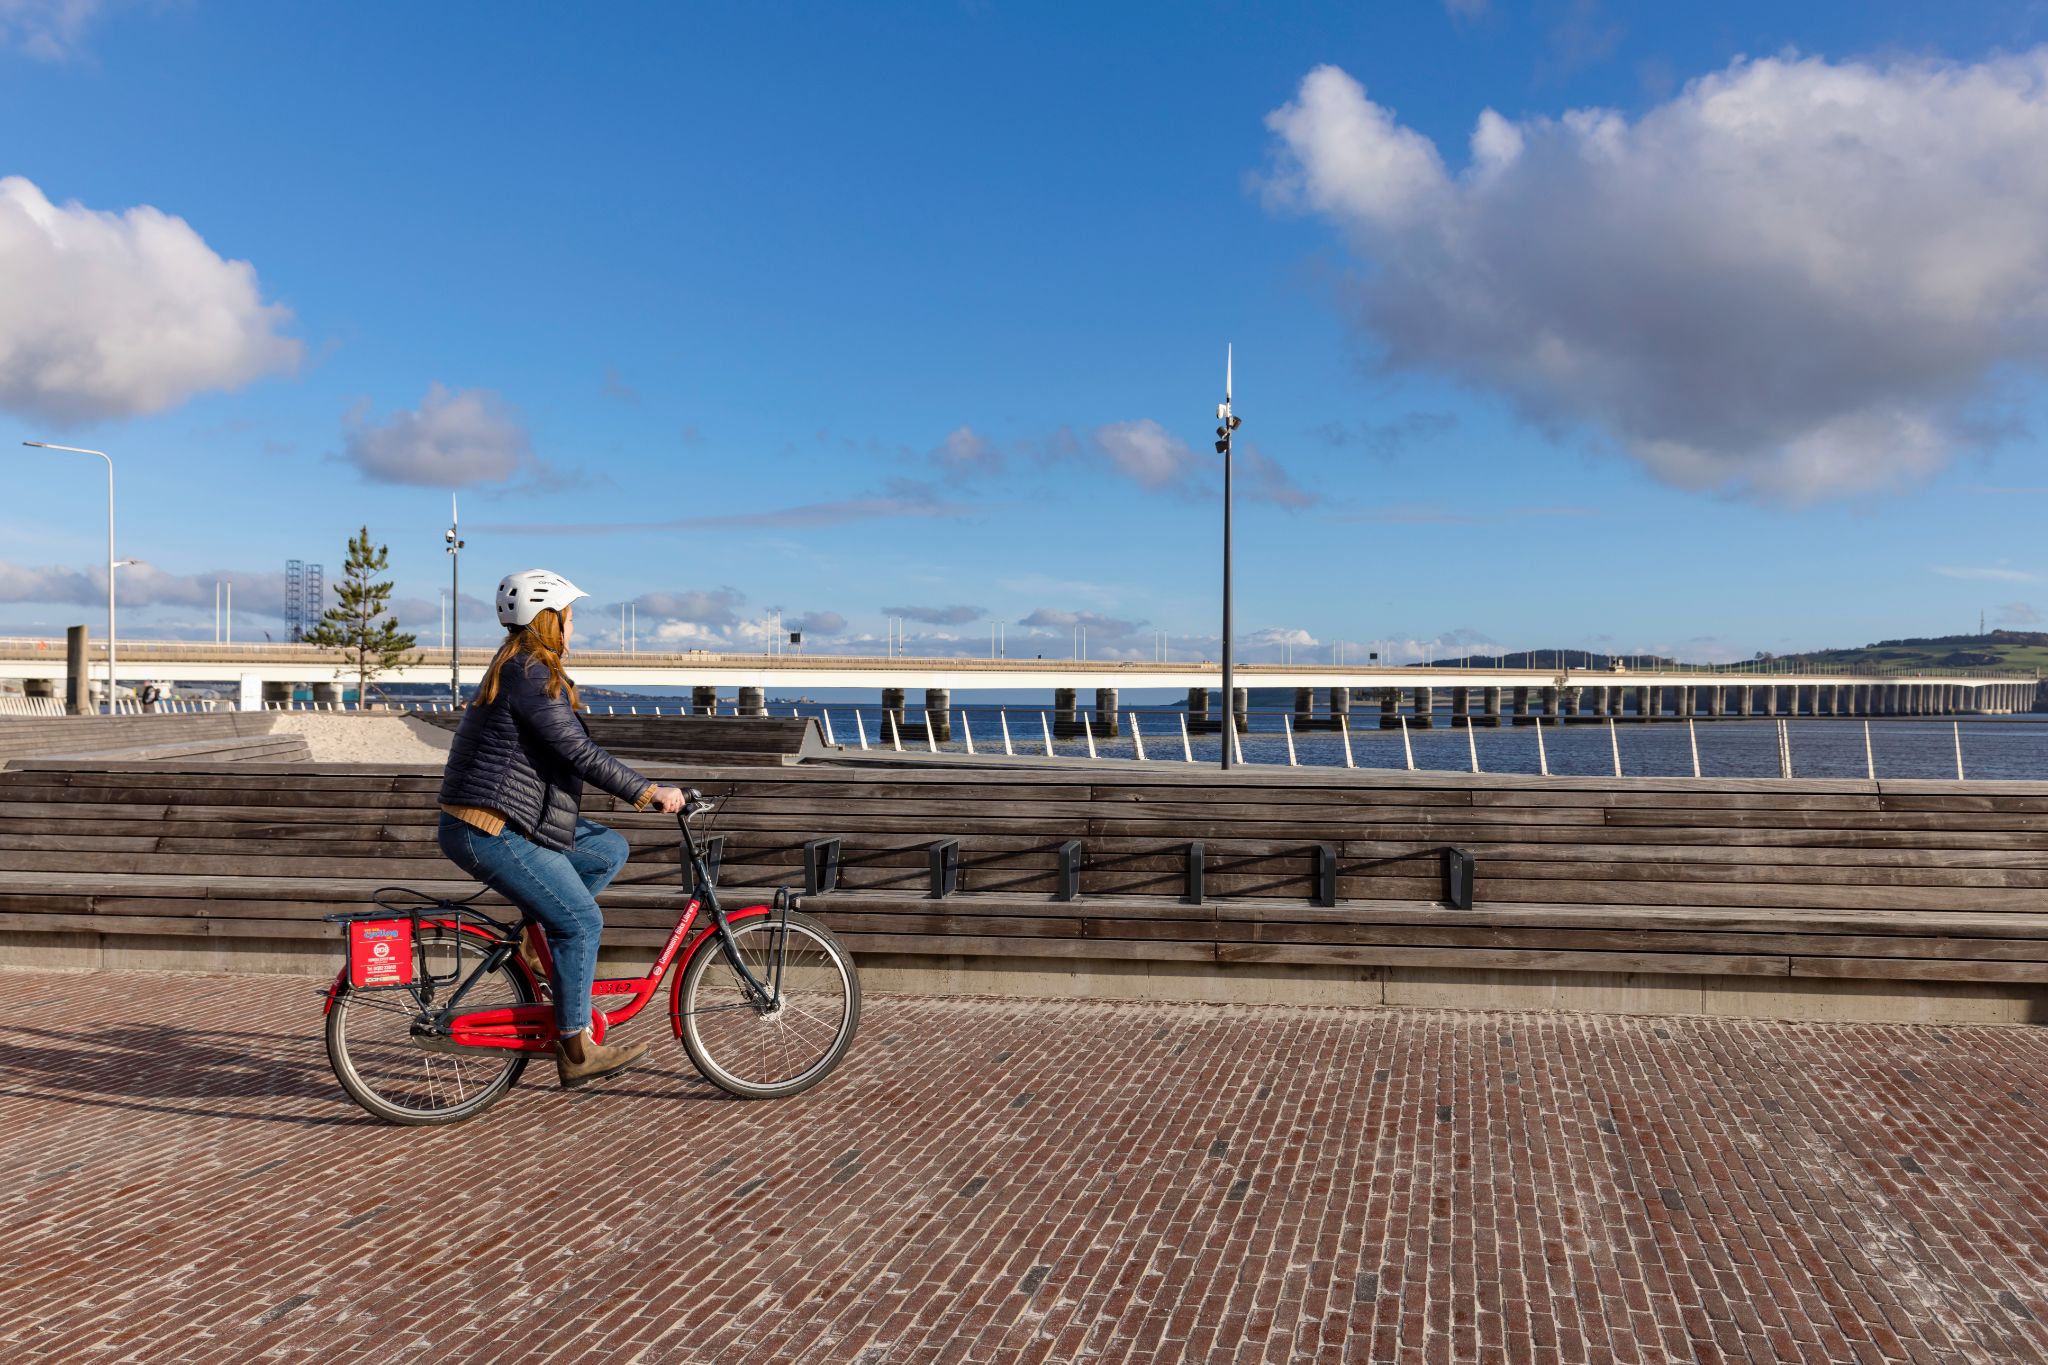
<point x="1487" y="695"/>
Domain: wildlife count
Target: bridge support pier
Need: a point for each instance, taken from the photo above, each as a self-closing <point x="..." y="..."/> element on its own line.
<point x="1425" y="708"/>
<point x="1108" y="723"/>
<point x="1304" y="708"/>
<point x="1340" y="707"/>
<point x="1461" y="707"/>
<point x="1198" y="710"/>
<point x="1553" y="707"/>
<point x="1745" y="701"/>
<point x="328" y="694"/>
<point x="1521" y="705"/>
<point x="1492" y="704"/>
<point x="1241" y="709"/>
<point x="277" y="692"/>
<point x="703" y="701"/>
<point x="938" y="712"/>
<point x="1603" y="700"/>
<point x="1645" y="707"/>
<point x="1390" y="708"/>
<point x="753" y="701"/>
<point x="892" y="710"/>
<point x="39" y="687"/>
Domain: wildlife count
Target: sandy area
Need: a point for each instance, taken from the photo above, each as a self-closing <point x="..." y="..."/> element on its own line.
<point x="365" y="739"/>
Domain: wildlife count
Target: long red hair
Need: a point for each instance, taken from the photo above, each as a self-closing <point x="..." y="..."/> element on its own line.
<point x="542" y="639"/>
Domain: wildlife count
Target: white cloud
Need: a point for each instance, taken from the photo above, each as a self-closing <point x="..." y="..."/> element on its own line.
<point x="965" y="453"/>
<point x="1989" y="575"/>
<point x="1147" y="453"/>
<point x="451" y="440"/>
<point x="116" y="315"/>
<point x="47" y="30"/>
<point x="1292" y="636"/>
<point x="957" y="614"/>
<point x="2019" y="614"/>
<point x="1054" y="619"/>
<point x="1263" y="480"/>
<point x="1791" y="280"/>
<point x="816" y="623"/>
<point x="140" y="585"/>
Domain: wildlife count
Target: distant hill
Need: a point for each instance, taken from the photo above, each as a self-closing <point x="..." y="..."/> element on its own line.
<point x="2020" y="649"/>
<point x="1999" y="649"/>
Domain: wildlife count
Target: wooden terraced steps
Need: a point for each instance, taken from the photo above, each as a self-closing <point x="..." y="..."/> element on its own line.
<point x="218" y="735"/>
<point x="693" y="739"/>
<point x="1908" y="881"/>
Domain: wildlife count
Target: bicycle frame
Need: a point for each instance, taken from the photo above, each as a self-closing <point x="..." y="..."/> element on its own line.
<point x="531" y="1028"/>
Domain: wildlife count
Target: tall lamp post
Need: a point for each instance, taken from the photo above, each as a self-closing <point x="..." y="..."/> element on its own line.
<point x="80" y="450"/>
<point x="1227" y="424"/>
<point x="454" y="539"/>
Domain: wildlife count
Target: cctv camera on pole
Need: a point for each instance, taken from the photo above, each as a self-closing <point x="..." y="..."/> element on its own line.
<point x="453" y="537"/>
<point x="1227" y="425"/>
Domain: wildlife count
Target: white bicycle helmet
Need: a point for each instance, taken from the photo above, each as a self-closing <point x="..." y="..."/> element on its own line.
<point x="524" y="595"/>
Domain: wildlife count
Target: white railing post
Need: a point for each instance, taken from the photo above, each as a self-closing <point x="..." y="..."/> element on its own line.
<point x="1003" y="719"/>
<point x="1692" y="733"/>
<point x="860" y="728"/>
<point x="895" y="734"/>
<point x="1088" y="729"/>
<point x="826" y="717"/>
<point x="1187" y="748"/>
<point x="1959" y="749"/>
<point x="1542" y="755"/>
<point x="930" y="744"/>
<point x="1046" y="726"/>
<point x="1287" y="724"/>
<point x="1614" y="743"/>
<point x="1471" y="743"/>
<point x="1406" y="747"/>
<point x="1236" y="740"/>
<point x="966" y="730"/>
<point x="1869" y="759"/>
<point x="1137" y="736"/>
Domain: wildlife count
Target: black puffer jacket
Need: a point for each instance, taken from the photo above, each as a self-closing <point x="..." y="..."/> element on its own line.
<point x="526" y="755"/>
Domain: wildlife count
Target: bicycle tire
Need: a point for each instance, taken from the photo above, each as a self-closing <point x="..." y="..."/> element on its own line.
<point x="384" y="1071"/>
<point x="761" y="1056"/>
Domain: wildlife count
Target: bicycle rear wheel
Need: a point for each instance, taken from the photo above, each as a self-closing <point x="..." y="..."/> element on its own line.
<point x="761" y="1054"/>
<point x="395" y="1076"/>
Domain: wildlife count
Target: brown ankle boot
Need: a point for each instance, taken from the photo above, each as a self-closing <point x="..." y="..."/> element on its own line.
<point x="599" y="1060"/>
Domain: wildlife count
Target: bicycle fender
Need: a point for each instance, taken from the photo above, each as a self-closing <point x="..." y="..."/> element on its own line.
<point x="690" y="950"/>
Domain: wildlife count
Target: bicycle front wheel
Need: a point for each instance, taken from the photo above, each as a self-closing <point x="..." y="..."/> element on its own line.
<point x="768" y="1052"/>
<point x="416" y="1081"/>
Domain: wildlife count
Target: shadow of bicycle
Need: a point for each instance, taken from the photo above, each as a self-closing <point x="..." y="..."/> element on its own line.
<point x="153" y="1068"/>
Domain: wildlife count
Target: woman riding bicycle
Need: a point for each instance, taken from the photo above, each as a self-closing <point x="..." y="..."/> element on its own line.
<point x="509" y="805"/>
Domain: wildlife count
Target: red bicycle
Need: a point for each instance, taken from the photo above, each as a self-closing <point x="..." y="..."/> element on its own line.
<point x="437" y="1029"/>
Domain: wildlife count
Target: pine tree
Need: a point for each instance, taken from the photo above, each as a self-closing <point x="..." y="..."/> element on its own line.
<point x="368" y="646"/>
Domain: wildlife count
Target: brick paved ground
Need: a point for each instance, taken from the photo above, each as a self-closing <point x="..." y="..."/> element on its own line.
<point x="181" y="1179"/>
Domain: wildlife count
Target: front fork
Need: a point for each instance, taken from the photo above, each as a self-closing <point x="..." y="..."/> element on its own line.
<point x="762" y="995"/>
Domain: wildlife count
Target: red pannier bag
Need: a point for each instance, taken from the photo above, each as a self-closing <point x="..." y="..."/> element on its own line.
<point x="380" y="953"/>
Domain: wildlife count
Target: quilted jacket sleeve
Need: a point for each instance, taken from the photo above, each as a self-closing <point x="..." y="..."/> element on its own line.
<point x="553" y="722"/>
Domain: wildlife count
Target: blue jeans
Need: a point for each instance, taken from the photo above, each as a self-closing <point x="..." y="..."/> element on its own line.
<point x="557" y="889"/>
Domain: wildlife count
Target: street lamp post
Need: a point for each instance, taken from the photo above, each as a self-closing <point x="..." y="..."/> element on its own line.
<point x="1227" y="424"/>
<point x="454" y="539"/>
<point x="80" y="450"/>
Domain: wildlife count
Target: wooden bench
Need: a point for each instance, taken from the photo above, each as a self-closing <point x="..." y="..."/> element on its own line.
<point x="1908" y="881"/>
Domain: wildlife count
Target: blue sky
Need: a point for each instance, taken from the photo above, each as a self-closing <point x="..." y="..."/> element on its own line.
<point x="859" y="311"/>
